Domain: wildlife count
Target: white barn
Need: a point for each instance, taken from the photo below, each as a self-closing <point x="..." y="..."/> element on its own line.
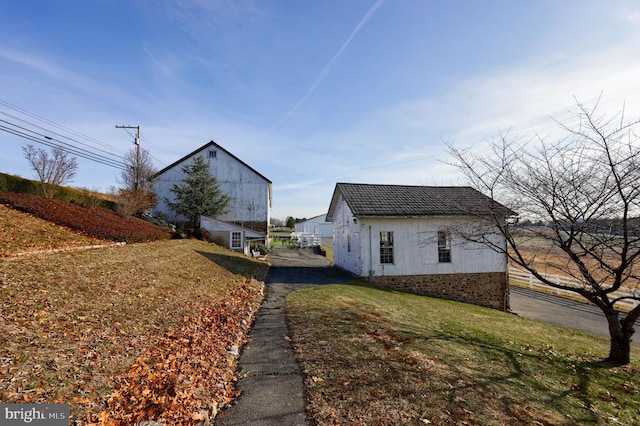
<point x="409" y="238"/>
<point x="316" y="225"/>
<point x="250" y="191"/>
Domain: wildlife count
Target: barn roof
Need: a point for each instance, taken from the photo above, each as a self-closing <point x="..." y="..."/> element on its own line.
<point x="204" y="147"/>
<point x="404" y="201"/>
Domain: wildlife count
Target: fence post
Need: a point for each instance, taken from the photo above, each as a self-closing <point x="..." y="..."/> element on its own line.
<point x="558" y="282"/>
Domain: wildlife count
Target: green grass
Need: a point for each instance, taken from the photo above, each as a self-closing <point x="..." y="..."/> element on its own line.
<point x="329" y="252"/>
<point x="373" y="356"/>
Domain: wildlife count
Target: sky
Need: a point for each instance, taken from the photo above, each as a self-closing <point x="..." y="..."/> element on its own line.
<point x="307" y="92"/>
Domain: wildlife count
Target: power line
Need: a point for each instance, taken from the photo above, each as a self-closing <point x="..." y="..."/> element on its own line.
<point x="162" y="159"/>
<point x="73" y="142"/>
<point x="108" y="153"/>
<point x="43" y="139"/>
<point x="57" y="125"/>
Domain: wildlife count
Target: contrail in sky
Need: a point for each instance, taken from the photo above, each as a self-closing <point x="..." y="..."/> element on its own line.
<point x="327" y="68"/>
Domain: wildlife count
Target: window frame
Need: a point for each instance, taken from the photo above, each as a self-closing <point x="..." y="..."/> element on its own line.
<point x="386" y="247"/>
<point x="236" y="237"/>
<point x="444" y="246"/>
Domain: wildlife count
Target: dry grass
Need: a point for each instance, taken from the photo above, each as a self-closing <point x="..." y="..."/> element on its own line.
<point x="74" y="321"/>
<point x="376" y="357"/>
<point x="21" y="232"/>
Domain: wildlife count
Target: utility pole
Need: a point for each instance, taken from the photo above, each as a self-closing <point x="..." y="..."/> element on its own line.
<point x="137" y="143"/>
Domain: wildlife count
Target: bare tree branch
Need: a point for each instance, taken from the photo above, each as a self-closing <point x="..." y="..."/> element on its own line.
<point x="586" y="188"/>
<point x="53" y="171"/>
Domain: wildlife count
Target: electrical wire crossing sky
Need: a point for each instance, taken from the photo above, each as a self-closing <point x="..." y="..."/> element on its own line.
<point x="307" y="93"/>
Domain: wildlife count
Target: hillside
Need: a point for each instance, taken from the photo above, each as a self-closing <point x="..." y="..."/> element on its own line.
<point x="123" y="333"/>
<point x="23" y="233"/>
<point x="36" y="223"/>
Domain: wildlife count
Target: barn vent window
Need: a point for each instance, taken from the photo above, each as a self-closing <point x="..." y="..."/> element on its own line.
<point x="213" y="153"/>
<point x="349" y="243"/>
<point x="386" y="247"/>
<point x="444" y="247"/>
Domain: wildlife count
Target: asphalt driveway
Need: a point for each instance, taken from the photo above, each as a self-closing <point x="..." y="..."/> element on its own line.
<point x="559" y="310"/>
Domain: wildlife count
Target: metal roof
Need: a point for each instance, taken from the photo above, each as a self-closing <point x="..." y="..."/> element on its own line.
<point x="404" y="200"/>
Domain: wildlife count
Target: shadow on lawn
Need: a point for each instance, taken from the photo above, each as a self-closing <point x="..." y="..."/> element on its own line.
<point x="517" y="366"/>
<point x="236" y="264"/>
<point x="520" y="367"/>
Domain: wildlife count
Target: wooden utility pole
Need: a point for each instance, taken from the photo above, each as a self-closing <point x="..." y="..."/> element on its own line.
<point x="137" y="143"/>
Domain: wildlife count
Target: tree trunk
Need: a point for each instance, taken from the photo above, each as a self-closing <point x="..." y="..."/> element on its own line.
<point x="620" y="332"/>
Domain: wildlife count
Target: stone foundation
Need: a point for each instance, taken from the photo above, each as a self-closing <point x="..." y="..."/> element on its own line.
<point x="490" y="289"/>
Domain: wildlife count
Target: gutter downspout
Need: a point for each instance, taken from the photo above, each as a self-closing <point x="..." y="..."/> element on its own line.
<point x="370" y="256"/>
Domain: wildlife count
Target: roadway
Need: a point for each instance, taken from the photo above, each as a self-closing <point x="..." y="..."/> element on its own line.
<point x="559" y="310"/>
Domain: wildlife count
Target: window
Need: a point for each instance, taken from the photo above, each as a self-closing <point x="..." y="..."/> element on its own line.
<point x="386" y="247"/>
<point x="349" y="243"/>
<point x="212" y="153"/>
<point x="444" y="247"/>
<point x="236" y="240"/>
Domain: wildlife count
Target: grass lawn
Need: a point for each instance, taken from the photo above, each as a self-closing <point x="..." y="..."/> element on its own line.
<point x="329" y="252"/>
<point x="125" y="334"/>
<point x="378" y="357"/>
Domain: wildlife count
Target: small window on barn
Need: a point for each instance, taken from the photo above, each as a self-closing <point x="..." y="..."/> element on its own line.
<point x="386" y="247"/>
<point x="213" y="153"/>
<point x="236" y="240"/>
<point x="444" y="247"/>
<point x="349" y="243"/>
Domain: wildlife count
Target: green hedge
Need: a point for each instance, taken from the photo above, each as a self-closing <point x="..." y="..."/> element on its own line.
<point x="16" y="184"/>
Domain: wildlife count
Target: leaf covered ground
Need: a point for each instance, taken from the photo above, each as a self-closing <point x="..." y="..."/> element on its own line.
<point x="40" y="235"/>
<point x="94" y="222"/>
<point x="123" y="334"/>
<point x="379" y="357"/>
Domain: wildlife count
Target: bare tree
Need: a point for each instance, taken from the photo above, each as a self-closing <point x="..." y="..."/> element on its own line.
<point x="137" y="194"/>
<point x="53" y="171"/>
<point x="586" y="187"/>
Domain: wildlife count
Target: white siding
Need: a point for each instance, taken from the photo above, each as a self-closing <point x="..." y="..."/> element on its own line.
<point x="343" y="227"/>
<point x="415" y="246"/>
<point x="316" y="225"/>
<point x="249" y="192"/>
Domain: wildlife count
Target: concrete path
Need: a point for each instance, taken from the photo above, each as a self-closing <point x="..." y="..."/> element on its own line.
<point x="271" y="381"/>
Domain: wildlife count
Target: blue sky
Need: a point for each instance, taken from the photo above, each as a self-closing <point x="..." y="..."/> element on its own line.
<point x="310" y="92"/>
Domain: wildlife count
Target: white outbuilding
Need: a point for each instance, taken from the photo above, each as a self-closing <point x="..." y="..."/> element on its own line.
<point x="316" y="225"/>
<point x="412" y="238"/>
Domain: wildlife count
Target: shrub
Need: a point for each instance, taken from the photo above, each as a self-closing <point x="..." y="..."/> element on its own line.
<point x="262" y="248"/>
<point x="95" y="222"/>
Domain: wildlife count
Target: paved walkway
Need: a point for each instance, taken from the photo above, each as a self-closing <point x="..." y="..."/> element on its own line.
<point x="271" y="381"/>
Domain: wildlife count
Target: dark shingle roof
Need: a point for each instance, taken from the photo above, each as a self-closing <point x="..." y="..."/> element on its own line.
<point x="402" y="200"/>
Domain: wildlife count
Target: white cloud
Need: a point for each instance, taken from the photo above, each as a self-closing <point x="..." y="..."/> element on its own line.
<point x="525" y="96"/>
